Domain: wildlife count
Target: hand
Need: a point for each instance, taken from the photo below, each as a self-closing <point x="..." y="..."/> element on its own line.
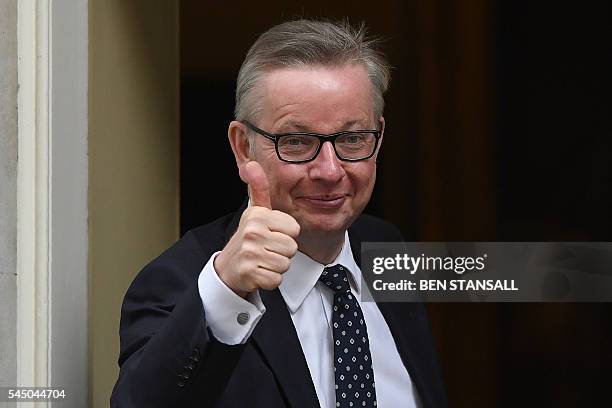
<point x="261" y="249"/>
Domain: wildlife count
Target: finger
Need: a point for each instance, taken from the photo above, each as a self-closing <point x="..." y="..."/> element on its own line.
<point x="282" y="222"/>
<point x="259" y="188"/>
<point x="266" y="279"/>
<point x="281" y="244"/>
<point x="273" y="262"/>
<point x="272" y="220"/>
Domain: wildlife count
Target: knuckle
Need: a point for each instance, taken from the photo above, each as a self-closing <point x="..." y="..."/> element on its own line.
<point x="293" y="247"/>
<point x="259" y="213"/>
<point x="279" y="214"/>
<point x="249" y="251"/>
<point x="284" y="264"/>
<point x="282" y="215"/>
<point x="250" y="214"/>
<point x="261" y="282"/>
<point x="291" y="225"/>
<point x="247" y="214"/>
<point x="265" y="285"/>
<point x="275" y="280"/>
<point x="294" y="228"/>
<point x="269" y="281"/>
<point x="251" y="232"/>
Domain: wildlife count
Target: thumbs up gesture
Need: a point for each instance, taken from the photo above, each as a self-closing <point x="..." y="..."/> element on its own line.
<point x="261" y="249"/>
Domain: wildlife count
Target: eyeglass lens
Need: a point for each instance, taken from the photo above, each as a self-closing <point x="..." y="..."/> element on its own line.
<point x="352" y="146"/>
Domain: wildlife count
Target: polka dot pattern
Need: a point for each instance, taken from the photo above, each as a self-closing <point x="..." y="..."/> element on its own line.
<point x="352" y="360"/>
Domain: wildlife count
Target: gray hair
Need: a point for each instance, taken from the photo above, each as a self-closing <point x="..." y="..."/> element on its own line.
<point x="307" y="42"/>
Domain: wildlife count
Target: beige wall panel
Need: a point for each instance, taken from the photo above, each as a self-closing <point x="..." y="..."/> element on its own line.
<point x="133" y="161"/>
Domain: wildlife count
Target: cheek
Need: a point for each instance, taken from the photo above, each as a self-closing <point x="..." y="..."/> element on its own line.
<point x="283" y="179"/>
<point x="265" y="154"/>
<point x="363" y="180"/>
<point x="280" y="174"/>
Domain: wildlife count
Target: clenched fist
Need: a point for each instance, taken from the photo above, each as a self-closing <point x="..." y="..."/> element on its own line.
<point x="261" y="249"/>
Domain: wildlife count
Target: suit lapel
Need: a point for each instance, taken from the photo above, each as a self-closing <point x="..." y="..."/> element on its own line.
<point x="276" y="338"/>
<point x="277" y="341"/>
<point x="403" y="321"/>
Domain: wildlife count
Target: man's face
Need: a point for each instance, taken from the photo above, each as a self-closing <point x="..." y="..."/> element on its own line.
<point x="325" y="195"/>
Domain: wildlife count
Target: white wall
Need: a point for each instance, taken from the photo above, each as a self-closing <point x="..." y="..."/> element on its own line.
<point x="52" y="243"/>
<point x="69" y="207"/>
<point x="8" y="191"/>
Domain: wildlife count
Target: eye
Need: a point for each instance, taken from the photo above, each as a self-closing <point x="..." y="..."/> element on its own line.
<point x="293" y="141"/>
<point x="297" y="141"/>
<point x="352" y="139"/>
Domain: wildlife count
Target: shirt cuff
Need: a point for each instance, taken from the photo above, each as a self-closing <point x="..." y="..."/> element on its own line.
<point x="230" y="318"/>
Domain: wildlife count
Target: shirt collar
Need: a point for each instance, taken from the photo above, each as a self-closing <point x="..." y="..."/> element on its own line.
<point x="303" y="274"/>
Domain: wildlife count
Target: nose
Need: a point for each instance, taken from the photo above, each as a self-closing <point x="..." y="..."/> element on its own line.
<point x="326" y="166"/>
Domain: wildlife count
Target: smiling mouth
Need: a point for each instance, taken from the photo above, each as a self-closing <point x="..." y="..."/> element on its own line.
<point x="324" y="201"/>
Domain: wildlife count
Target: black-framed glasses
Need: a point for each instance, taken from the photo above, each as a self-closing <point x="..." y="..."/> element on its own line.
<point x="302" y="147"/>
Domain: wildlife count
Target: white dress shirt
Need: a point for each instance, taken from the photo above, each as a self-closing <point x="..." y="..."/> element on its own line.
<point x="310" y="306"/>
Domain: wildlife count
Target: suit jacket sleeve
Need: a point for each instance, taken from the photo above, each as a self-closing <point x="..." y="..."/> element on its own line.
<point x="168" y="356"/>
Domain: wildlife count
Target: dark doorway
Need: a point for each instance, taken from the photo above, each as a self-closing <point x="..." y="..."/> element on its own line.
<point x="498" y="129"/>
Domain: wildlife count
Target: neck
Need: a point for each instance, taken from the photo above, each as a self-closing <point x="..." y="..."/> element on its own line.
<point x="322" y="249"/>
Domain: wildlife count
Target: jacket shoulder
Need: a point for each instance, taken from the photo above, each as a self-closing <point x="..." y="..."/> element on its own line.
<point x="190" y="253"/>
<point x="160" y="285"/>
<point x="163" y="323"/>
<point x="374" y="229"/>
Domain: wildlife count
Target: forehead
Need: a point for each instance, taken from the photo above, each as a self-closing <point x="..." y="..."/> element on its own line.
<point x="317" y="97"/>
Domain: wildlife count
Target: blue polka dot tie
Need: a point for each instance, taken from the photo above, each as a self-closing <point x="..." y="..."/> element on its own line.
<point x="352" y="359"/>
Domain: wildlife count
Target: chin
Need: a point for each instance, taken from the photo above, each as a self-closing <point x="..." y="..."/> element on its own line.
<point x="325" y="225"/>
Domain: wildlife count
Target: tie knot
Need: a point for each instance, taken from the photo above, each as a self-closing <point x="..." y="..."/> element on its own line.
<point x="334" y="277"/>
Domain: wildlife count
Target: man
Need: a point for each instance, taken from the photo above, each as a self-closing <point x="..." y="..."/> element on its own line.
<point x="261" y="308"/>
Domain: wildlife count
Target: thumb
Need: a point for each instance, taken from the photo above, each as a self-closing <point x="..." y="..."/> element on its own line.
<point x="259" y="189"/>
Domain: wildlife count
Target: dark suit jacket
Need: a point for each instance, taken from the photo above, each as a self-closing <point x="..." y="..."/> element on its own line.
<point x="170" y="359"/>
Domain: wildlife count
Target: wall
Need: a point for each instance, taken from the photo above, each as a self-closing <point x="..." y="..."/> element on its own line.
<point x="8" y="191"/>
<point x="133" y="161"/>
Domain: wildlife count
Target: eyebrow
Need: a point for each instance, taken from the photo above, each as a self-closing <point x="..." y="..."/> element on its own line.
<point x="292" y="126"/>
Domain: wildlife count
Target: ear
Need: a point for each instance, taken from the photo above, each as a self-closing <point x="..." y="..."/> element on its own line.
<point x="381" y="120"/>
<point x="237" y="135"/>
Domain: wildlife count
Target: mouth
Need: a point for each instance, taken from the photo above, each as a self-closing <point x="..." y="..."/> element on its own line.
<point x="327" y="201"/>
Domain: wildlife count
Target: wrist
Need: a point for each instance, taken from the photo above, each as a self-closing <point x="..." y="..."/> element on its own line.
<point x="219" y="268"/>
